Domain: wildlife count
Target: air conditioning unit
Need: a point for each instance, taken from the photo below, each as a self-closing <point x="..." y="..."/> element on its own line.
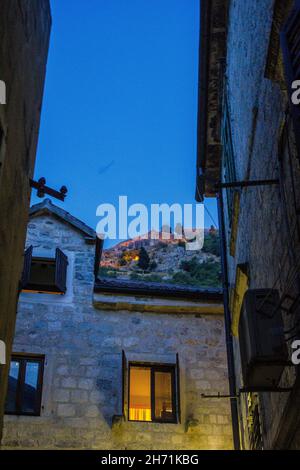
<point x="263" y="349"/>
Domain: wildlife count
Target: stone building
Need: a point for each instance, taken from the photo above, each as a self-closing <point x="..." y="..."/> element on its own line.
<point x="24" y="38"/>
<point x="248" y="155"/>
<point x="107" y="364"/>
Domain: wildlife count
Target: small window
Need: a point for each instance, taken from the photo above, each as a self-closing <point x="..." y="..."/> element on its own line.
<point x="152" y="393"/>
<point x="45" y="275"/>
<point x="25" y="385"/>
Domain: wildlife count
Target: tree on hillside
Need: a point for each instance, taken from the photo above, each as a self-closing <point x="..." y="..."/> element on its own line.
<point x="212" y="244"/>
<point x="144" y="259"/>
<point x="122" y="261"/>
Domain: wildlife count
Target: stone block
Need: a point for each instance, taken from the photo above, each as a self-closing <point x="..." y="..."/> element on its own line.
<point x="69" y="382"/>
<point x="96" y="397"/>
<point x="65" y="410"/>
<point x="92" y="411"/>
<point x="62" y="370"/>
<point x="86" y="384"/>
<point x="61" y="395"/>
<point x="79" y="396"/>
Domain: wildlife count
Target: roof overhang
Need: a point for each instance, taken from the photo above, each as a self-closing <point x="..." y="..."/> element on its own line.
<point x="46" y="207"/>
<point x="138" y="288"/>
<point x="212" y="53"/>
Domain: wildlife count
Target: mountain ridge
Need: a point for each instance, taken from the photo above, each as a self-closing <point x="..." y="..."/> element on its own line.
<point x="167" y="260"/>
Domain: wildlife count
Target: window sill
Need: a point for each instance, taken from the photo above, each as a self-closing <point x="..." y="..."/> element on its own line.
<point x="42" y="291"/>
<point x="120" y="421"/>
<point x="36" y="415"/>
<point x="138" y="303"/>
<point x="151" y="422"/>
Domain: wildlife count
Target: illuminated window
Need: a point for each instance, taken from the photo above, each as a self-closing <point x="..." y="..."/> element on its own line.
<point x="152" y="394"/>
<point x="25" y="385"/>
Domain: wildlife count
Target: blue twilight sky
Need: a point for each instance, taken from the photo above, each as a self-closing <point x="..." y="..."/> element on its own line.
<point x="120" y="104"/>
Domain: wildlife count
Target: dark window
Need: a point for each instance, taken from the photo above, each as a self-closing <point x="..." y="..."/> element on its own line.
<point x="46" y="275"/>
<point x="228" y="156"/>
<point x="152" y="393"/>
<point x="25" y="385"/>
<point x="290" y="43"/>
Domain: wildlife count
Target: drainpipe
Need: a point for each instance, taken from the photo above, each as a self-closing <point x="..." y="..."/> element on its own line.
<point x="227" y="318"/>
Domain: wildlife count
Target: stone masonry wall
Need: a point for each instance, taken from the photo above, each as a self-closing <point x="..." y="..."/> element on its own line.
<point x="24" y="38"/>
<point x="83" y="367"/>
<point x="257" y="108"/>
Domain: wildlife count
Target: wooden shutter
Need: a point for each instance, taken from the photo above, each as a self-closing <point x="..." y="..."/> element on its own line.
<point x="290" y="44"/>
<point x="178" y="389"/>
<point x="98" y="253"/>
<point x="61" y="263"/>
<point x="26" y="267"/>
<point x="123" y="378"/>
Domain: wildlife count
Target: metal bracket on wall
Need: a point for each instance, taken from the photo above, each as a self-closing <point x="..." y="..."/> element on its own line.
<point x="246" y="184"/>
<point x="42" y="189"/>
<point x="250" y="390"/>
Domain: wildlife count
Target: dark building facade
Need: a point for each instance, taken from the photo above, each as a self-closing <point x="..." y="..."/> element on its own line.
<point x="24" y="38"/>
<point x="248" y="156"/>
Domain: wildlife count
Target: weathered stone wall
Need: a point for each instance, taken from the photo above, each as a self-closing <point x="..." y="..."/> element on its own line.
<point x="83" y="348"/>
<point x="24" y="36"/>
<point x="257" y="107"/>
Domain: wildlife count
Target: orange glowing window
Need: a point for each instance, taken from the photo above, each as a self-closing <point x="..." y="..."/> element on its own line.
<point x="152" y="393"/>
<point x="140" y="394"/>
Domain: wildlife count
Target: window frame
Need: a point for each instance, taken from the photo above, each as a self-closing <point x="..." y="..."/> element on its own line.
<point x="170" y="368"/>
<point x="23" y="359"/>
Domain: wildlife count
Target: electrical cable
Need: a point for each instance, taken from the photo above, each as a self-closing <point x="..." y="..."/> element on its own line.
<point x="211" y="217"/>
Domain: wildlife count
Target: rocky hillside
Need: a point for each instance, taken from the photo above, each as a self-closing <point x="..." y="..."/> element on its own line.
<point x="160" y="260"/>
